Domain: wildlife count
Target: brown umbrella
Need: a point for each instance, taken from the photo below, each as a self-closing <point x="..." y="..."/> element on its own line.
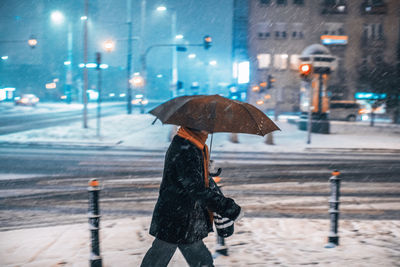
<point x="214" y="113"/>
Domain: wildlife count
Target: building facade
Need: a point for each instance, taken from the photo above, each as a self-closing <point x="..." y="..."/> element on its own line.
<point x="357" y="33"/>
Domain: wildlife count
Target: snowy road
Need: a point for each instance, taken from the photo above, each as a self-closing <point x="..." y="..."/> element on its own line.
<point x="28" y="118"/>
<point x="47" y="185"/>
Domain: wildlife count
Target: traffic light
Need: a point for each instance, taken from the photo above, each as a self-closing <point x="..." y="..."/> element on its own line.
<point x="270" y="82"/>
<point x="32" y="42"/>
<point x="207" y="40"/>
<point x="305" y="70"/>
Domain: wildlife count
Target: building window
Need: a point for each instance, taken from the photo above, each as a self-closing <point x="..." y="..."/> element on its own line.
<point x="297" y="31"/>
<point x="298" y="2"/>
<point x="281" y="2"/>
<point x="373" y="7"/>
<point x="334" y="7"/>
<point x="294" y="62"/>
<point x="280" y="30"/>
<point x="264" y="61"/>
<point x="374" y="2"/>
<point x="373" y="31"/>
<point x="265" y="2"/>
<point x="280" y="61"/>
<point x="263" y="30"/>
<point x="333" y="28"/>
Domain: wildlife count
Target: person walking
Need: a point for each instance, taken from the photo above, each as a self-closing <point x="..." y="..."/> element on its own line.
<point x="183" y="214"/>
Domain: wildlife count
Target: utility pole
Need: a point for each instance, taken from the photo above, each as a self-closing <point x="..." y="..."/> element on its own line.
<point x="68" y="75"/>
<point x="129" y="57"/>
<point x="141" y="46"/>
<point x="142" y="26"/>
<point x="174" y="57"/>
<point x="85" y="61"/>
<point x="98" y="61"/>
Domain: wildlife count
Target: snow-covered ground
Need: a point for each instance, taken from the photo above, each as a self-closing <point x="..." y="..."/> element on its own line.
<point x="137" y="131"/>
<point x="256" y="242"/>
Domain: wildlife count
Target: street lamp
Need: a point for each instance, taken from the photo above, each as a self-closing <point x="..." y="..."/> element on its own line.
<point x="32" y="42"/>
<point x="161" y="8"/>
<point x="57" y="17"/>
<point x="109" y="45"/>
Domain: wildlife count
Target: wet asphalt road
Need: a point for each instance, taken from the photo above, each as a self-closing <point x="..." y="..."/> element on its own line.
<point x="47" y="185"/>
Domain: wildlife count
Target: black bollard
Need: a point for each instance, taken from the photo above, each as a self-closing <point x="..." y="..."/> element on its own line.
<point x="333" y="238"/>
<point x="94" y="221"/>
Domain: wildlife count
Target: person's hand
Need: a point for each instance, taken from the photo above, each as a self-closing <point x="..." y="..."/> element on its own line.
<point x="232" y="210"/>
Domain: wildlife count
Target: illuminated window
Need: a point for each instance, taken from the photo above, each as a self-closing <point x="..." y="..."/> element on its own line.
<point x="281" y="61"/>
<point x="294" y="62"/>
<point x="264" y="61"/>
<point x="334" y="7"/>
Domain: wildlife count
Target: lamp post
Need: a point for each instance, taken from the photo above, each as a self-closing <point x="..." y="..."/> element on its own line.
<point x="129" y="57"/>
<point x="85" y="61"/>
<point x="58" y="18"/>
<point x="174" y="77"/>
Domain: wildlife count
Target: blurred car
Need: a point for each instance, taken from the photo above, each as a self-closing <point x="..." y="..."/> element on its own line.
<point x="26" y="100"/>
<point x="139" y="101"/>
<point x="344" y="110"/>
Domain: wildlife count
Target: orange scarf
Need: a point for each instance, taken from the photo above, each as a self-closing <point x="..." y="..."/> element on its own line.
<point x="199" y="140"/>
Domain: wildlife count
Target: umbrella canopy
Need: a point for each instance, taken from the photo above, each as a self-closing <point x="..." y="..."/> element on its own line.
<point x="214" y="113"/>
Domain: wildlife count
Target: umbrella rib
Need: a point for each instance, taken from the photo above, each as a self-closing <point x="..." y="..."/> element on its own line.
<point x="251" y="115"/>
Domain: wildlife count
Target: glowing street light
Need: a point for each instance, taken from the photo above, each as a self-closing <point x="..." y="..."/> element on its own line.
<point x="109" y="45"/>
<point x="137" y="81"/>
<point x="192" y="56"/>
<point x="179" y="37"/>
<point x="84" y="18"/>
<point x="4" y="57"/>
<point x="213" y="63"/>
<point x="161" y="8"/>
<point x="32" y="42"/>
<point x="57" y="17"/>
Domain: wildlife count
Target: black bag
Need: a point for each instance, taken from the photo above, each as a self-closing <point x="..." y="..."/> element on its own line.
<point x="224" y="226"/>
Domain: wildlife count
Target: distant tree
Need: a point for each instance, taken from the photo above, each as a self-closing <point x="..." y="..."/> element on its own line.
<point x="383" y="78"/>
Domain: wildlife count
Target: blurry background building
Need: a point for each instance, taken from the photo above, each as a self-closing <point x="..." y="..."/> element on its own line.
<point x="360" y="33"/>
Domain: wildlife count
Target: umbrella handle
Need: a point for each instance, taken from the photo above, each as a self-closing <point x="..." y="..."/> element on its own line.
<point x="217" y="173"/>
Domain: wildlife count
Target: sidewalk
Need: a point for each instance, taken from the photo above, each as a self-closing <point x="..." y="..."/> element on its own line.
<point x="137" y="131"/>
<point x="256" y="242"/>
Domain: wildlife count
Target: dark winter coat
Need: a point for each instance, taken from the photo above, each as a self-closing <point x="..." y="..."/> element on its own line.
<point x="180" y="215"/>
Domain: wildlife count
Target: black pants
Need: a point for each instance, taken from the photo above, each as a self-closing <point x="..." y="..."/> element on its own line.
<point x="161" y="252"/>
